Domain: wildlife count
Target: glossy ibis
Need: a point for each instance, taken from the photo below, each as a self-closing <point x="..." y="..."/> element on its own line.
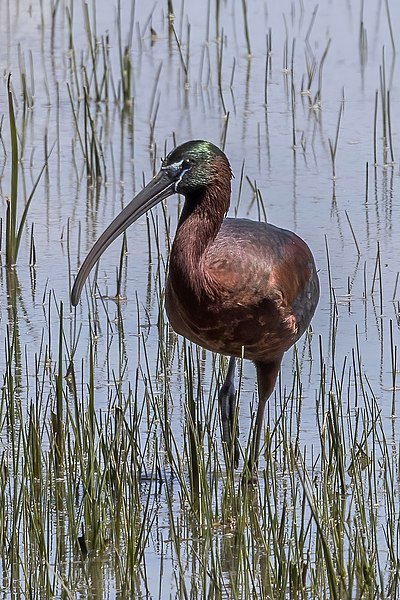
<point x="235" y="286"/>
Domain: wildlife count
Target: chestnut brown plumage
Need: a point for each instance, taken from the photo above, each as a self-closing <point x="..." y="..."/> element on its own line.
<point x="235" y="286"/>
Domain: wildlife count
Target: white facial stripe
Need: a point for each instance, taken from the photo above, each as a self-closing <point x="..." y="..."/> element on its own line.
<point x="178" y="166"/>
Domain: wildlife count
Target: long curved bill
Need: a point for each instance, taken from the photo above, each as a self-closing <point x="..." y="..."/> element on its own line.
<point x="159" y="188"/>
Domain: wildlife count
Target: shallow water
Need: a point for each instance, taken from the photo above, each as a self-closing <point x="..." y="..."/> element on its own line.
<point x="69" y="210"/>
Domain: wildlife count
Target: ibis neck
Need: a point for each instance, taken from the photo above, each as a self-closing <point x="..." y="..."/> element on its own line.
<point x="199" y="224"/>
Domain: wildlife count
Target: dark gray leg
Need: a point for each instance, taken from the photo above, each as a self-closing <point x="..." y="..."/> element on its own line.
<point x="266" y="379"/>
<point x="227" y="410"/>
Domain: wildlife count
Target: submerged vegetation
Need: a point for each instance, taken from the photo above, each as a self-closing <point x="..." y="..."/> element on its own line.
<point x="112" y="474"/>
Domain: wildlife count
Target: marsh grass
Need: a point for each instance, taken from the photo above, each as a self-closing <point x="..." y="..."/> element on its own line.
<point x="334" y="144"/>
<point x="82" y="487"/>
<point x="14" y="229"/>
<point x="113" y="478"/>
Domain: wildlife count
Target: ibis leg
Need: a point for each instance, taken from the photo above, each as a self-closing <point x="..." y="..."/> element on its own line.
<point x="227" y="410"/>
<point x="266" y="379"/>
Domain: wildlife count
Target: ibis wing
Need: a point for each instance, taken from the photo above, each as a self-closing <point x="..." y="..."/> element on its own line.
<point x="250" y="263"/>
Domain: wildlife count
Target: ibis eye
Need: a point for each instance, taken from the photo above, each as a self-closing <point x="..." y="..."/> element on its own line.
<point x="186" y="164"/>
